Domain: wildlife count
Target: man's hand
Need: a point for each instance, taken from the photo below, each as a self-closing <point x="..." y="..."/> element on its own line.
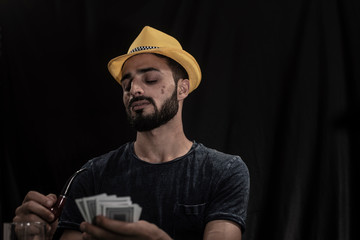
<point x="35" y="208"/>
<point x="109" y="229"/>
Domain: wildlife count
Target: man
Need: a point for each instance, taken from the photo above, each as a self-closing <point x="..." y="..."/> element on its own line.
<point x="186" y="191"/>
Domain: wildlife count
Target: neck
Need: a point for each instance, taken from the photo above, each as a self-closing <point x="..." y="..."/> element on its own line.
<point x="162" y="144"/>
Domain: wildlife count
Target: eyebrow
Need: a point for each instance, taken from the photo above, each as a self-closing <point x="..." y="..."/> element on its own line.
<point x="139" y="71"/>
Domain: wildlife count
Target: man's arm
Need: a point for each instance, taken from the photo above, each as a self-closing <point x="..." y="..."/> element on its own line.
<point x="71" y="235"/>
<point x="222" y="229"/>
<point x="214" y="230"/>
<point x="109" y="229"/>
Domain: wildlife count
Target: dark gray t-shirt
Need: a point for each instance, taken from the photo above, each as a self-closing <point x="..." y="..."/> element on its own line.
<point x="179" y="196"/>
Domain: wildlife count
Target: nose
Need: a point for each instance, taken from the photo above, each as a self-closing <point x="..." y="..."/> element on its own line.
<point x="136" y="89"/>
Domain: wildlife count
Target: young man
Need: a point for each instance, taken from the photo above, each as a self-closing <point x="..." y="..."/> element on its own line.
<point x="186" y="191"/>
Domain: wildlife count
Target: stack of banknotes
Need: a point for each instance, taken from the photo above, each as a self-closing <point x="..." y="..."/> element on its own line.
<point x="111" y="206"/>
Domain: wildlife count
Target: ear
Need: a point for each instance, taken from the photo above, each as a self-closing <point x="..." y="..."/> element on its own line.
<point x="183" y="87"/>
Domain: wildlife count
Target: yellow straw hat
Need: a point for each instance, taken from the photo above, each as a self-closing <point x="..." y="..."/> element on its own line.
<point x="151" y="40"/>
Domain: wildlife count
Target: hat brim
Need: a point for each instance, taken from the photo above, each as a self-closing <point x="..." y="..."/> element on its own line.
<point x="182" y="57"/>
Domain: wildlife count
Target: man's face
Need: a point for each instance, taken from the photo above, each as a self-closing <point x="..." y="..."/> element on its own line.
<point x="150" y="94"/>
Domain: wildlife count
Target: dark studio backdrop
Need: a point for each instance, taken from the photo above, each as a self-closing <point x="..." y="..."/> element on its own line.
<point x="280" y="88"/>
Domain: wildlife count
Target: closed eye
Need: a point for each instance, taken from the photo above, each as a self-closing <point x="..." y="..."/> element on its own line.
<point x="151" y="81"/>
<point x="126" y="85"/>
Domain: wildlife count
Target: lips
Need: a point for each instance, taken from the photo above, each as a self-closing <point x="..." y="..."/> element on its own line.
<point x="137" y="105"/>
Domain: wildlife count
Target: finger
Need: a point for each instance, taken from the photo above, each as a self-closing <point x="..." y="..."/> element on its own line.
<point x="124" y="228"/>
<point x="133" y="229"/>
<point x="35" y="207"/>
<point x="47" y="201"/>
<point x="94" y="232"/>
<point x="32" y="211"/>
<point x="32" y="207"/>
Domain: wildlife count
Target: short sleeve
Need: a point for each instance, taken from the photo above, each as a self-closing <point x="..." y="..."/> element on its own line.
<point x="231" y="194"/>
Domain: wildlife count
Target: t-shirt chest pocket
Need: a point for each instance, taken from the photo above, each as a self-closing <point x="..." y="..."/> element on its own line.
<point x="189" y="220"/>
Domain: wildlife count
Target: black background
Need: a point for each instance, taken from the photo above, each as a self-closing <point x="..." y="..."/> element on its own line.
<point x="280" y="88"/>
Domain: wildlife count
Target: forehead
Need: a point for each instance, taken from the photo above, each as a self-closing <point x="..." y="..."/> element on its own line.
<point x="144" y="60"/>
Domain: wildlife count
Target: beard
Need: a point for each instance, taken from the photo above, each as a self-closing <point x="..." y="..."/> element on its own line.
<point x="149" y="122"/>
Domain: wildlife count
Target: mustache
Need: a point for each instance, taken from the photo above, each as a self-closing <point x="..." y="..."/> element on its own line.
<point x="141" y="98"/>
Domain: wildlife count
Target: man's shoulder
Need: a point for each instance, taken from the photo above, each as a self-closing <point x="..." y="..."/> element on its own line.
<point x="217" y="157"/>
<point x="212" y="153"/>
<point x="113" y="155"/>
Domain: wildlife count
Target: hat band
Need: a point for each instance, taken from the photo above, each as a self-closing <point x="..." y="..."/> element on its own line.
<point x="141" y="48"/>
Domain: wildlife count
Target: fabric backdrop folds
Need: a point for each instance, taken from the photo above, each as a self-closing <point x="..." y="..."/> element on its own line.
<point x="280" y="88"/>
